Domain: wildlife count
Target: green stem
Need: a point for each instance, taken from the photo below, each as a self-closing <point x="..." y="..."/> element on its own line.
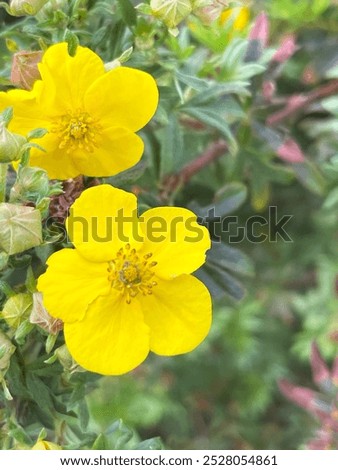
<point x="3" y="181"/>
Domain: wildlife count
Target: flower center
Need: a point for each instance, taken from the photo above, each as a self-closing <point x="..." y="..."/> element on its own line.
<point x="77" y="131"/>
<point x="131" y="273"/>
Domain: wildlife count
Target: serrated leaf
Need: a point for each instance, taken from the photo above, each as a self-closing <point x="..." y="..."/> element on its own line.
<point x="20" y="228"/>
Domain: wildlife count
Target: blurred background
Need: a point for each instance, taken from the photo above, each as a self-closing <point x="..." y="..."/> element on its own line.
<point x="260" y="80"/>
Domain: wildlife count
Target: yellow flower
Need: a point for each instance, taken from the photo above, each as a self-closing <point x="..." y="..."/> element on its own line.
<point x="45" y="445"/>
<point x="91" y="115"/>
<point x="239" y="16"/>
<point x="126" y="288"/>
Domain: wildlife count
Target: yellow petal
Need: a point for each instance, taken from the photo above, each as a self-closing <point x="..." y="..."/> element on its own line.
<point x="178" y="243"/>
<point x="46" y="445"/>
<point x="57" y="163"/>
<point x="118" y="150"/>
<point x="112" y="338"/>
<point x="178" y="314"/>
<point x="71" y="283"/>
<point x="27" y="115"/>
<point x="66" y="79"/>
<point x="123" y="97"/>
<point x="95" y="226"/>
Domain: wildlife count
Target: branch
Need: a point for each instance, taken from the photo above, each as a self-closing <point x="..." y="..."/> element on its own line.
<point x="297" y="102"/>
<point x="211" y="154"/>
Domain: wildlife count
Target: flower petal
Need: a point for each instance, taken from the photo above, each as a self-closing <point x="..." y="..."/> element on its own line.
<point x="94" y="224"/>
<point x="118" y="149"/>
<point x="71" y="283"/>
<point x="123" y="97"/>
<point x="27" y="115"/>
<point x="112" y="338"/>
<point x="66" y="79"/>
<point x="178" y="314"/>
<point x="57" y="163"/>
<point x="178" y="243"/>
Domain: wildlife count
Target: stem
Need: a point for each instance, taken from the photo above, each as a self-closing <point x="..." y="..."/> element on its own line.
<point x="297" y="102"/>
<point x="172" y="182"/>
<point x="3" y="181"/>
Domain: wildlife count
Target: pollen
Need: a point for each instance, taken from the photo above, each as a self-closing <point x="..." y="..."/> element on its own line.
<point x="131" y="273"/>
<point x="77" y="131"/>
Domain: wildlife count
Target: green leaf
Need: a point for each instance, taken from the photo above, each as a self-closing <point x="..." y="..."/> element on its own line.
<point x="40" y="393"/>
<point x="213" y="119"/>
<point x="231" y="286"/>
<point x="7" y="115"/>
<point x="227" y="200"/>
<point x="229" y="258"/>
<point x="128" y="12"/>
<point x="83" y="414"/>
<point x="331" y="104"/>
<point x="37" y="134"/>
<point x="310" y="176"/>
<point x="72" y="40"/>
<point x="154" y="443"/>
<point x="100" y="443"/>
<point x="198" y="84"/>
<point x="172" y="146"/>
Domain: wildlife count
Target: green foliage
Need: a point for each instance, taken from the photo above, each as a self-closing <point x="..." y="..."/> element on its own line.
<point x="218" y="145"/>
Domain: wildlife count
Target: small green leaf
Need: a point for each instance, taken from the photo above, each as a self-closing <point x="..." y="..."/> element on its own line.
<point x="100" y="443"/>
<point x="72" y="40"/>
<point x="213" y="119"/>
<point x="37" y="134"/>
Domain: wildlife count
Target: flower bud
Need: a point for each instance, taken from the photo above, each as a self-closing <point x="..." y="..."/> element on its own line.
<point x="25" y="70"/>
<point x="45" y="445"/>
<point x="6" y="351"/>
<point x="39" y="316"/>
<point x="20" y="228"/>
<point x="10" y="144"/>
<point x="209" y="11"/>
<point x="17" y="309"/>
<point x="171" y="12"/>
<point x="32" y="184"/>
<point x="26" y="7"/>
<point x="66" y="360"/>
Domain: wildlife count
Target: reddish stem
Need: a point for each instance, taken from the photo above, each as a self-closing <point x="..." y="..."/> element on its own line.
<point x="297" y="102"/>
<point x="211" y="154"/>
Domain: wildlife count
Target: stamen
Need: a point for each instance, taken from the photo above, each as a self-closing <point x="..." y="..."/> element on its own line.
<point x="77" y="131"/>
<point x="131" y="274"/>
